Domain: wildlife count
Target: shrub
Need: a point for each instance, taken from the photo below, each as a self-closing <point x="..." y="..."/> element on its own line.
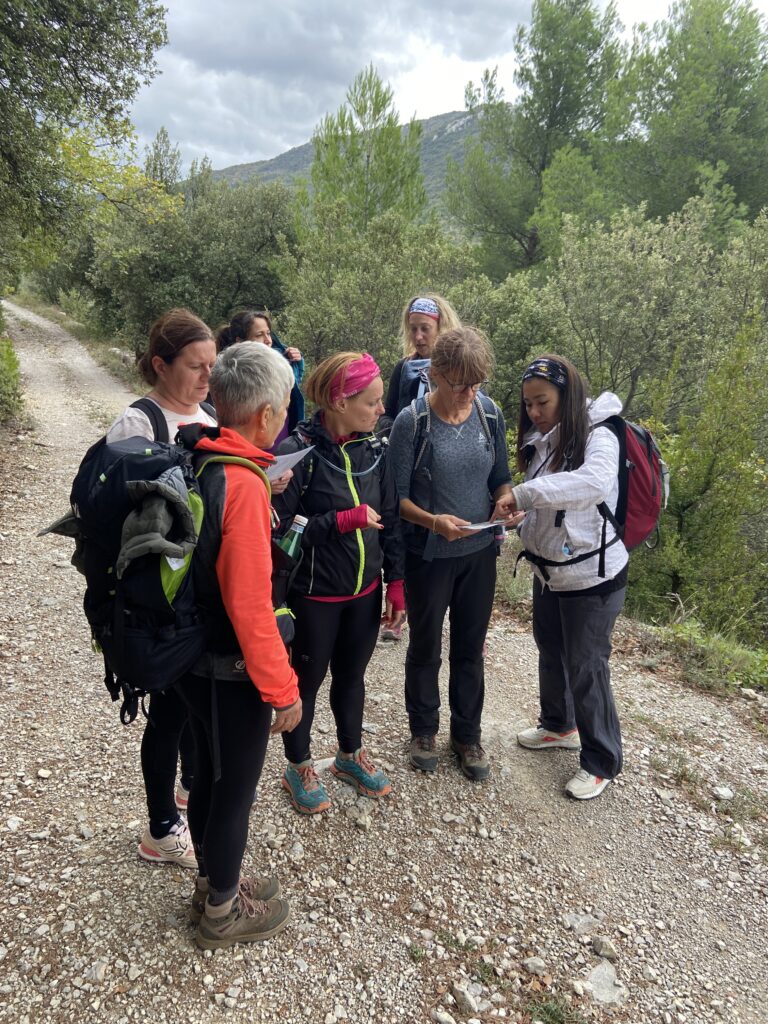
<point x="10" y="382"/>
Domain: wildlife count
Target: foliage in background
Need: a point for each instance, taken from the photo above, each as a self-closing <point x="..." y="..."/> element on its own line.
<point x="62" y="64"/>
<point x="567" y="59"/>
<point x="364" y="160"/>
<point x="10" y="383"/>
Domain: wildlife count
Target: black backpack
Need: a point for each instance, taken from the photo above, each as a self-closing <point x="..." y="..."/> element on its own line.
<point x="135" y="515"/>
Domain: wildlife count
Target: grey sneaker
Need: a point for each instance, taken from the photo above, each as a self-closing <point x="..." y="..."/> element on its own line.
<point x="422" y="753"/>
<point x="473" y="760"/>
<point x="249" y="920"/>
<point x="257" y="888"/>
<point x="537" y="738"/>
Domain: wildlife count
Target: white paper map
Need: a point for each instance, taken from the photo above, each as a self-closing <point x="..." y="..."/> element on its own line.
<point x="285" y="462"/>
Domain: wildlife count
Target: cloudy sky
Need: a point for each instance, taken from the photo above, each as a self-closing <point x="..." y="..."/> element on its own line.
<point x="247" y="80"/>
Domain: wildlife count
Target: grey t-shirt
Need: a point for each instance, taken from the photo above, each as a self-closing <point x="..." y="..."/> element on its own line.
<point x="466" y="470"/>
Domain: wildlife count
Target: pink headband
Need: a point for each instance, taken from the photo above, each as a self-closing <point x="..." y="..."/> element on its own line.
<point x="354" y="378"/>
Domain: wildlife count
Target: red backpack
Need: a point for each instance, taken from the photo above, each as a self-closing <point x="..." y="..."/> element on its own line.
<point x="643" y="492"/>
<point x="643" y="486"/>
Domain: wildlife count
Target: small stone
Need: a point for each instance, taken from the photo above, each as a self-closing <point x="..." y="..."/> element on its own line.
<point x="465" y="1001"/>
<point x="581" y="924"/>
<point x="97" y="971"/>
<point x="749" y="693"/>
<point x="723" y="792"/>
<point x="603" y="946"/>
<point x="650" y="973"/>
<point x="86" y="832"/>
<point x="606" y="989"/>
<point x="43" y="773"/>
<point x="442" y="1017"/>
<point x="535" y="965"/>
<point x="13" y="823"/>
<point x="134" y="972"/>
<point x="578" y="987"/>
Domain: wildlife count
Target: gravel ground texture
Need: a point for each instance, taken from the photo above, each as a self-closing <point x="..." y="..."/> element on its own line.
<point x="448" y="902"/>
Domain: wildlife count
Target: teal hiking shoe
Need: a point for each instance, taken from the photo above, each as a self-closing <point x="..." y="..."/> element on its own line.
<point x="359" y="771"/>
<point x="308" y="794"/>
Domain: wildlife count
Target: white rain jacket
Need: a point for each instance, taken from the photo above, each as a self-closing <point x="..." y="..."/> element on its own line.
<point x="577" y="493"/>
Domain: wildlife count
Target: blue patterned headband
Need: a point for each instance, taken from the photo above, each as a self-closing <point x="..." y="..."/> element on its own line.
<point x="426" y="306"/>
<point x="548" y="369"/>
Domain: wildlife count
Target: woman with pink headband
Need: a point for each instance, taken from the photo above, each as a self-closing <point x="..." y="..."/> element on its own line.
<point x="346" y="490"/>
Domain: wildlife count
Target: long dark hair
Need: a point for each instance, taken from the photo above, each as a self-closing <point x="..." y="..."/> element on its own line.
<point x="239" y="327"/>
<point x="574" y="422"/>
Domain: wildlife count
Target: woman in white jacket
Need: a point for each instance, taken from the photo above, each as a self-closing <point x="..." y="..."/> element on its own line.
<point x="571" y="466"/>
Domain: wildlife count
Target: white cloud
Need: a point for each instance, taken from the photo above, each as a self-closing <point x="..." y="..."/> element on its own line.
<point x="245" y="81"/>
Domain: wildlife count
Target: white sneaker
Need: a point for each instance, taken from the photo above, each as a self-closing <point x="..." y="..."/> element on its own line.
<point x="584" y="786"/>
<point x="182" y="797"/>
<point x="175" y="848"/>
<point x="543" y="739"/>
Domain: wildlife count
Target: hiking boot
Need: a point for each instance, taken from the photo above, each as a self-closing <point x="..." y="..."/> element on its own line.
<point x="544" y="739"/>
<point x="249" y="920"/>
<point x="361" y="772"/>
<point x="473" y="760"/>
<point x="584" y="786"/>
<point x="182" y="797"/>
<point x="175" y="848"/>
<point x="308" y="794"/>
<point x="257" y="888"/>
<point x="422" y="753"/>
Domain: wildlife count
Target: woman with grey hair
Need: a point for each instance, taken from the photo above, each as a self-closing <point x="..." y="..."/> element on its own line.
<point x="450" y="457"/>
<point x="245" y="674"/>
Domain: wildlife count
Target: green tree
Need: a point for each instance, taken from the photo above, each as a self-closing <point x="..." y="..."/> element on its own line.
<point x="62" y="63"/>
<point x="345" y="288"/>
<point x="698" y="96"/>
<point x="364" y="157"/>
<point x="567" y="60"/>
<point x="163" y="161"/>
<point x="213" y="252"/>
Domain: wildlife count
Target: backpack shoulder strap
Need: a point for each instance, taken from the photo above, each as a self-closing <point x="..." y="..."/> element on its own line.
<point x="487" y="410"/>
<point x="236" y="460"/>
<point x="155" y="416"/>
<point x="207" y="407"/>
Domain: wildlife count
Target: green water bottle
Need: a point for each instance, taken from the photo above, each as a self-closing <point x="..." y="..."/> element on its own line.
<point x="290" y="542"/>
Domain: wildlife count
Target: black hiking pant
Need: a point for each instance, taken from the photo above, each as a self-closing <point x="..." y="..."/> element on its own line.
<point x="342" y="635"/>
<point x="573" y="635"/>
<point x="166" y="736"/>
<point x="229" y="717"/>
<point x="465" y="585"/>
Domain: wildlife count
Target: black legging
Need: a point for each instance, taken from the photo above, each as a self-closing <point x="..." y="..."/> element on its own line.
<point x="165" y="738"/>
<point x="218" y="810"/>
<point x="341" y="634"/>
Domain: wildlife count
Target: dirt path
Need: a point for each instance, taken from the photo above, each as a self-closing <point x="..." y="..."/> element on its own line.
<point x="429" y="908"/>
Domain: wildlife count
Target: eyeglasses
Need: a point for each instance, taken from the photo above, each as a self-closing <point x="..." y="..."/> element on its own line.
<point x="456" y="388"/>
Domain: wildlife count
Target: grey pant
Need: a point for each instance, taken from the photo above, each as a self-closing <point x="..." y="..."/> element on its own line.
<point x="573" y="635"/>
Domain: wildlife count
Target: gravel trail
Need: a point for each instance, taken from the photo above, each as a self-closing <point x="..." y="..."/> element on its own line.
<point x="449" y="903"/>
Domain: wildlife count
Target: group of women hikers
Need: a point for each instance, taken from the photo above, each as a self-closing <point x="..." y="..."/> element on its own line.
<point x="403" y="503"/>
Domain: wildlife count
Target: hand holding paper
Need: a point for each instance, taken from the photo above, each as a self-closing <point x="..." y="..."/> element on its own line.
<point x="285" y="462"/>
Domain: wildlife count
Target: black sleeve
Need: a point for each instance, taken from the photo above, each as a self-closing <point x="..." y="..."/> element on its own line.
<point x="392" y="542"/>
<point x="393" y="392"/>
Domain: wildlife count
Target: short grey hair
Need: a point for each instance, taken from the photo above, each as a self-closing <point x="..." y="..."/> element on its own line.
<point x="246" y="377"/>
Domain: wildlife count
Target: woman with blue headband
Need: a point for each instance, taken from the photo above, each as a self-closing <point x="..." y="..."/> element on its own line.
<point x="570" y="467"/>
<point x="424" y="316"/>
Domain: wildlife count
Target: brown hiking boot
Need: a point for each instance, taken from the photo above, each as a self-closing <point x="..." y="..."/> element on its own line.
<point x="249" y="920"/>
<point x="422" y="753"/>
<point x="473" y="760"/>
<point x="257" y="888"/>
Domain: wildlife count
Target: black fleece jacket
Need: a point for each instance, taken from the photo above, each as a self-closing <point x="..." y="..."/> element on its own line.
<point x="330" y="479"/>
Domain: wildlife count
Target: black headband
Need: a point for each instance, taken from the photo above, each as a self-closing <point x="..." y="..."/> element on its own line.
<point x="548" y="369"/>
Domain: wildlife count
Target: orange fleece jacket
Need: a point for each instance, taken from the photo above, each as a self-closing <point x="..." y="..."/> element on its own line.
<point x="244" y="571"/>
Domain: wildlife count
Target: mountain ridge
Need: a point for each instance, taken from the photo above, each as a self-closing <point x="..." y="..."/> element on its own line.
<point x="442" y="136"/>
